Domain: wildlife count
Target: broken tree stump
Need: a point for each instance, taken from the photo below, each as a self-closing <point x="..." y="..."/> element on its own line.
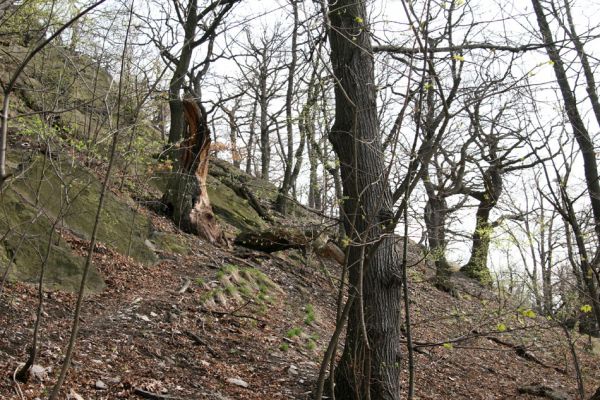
<point x="186" y="196"/>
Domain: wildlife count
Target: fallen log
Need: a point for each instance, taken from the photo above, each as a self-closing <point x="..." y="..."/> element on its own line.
<point x="278" y="239"/>
<point x="154" y="396"/>
<point x="522" y="352"/>
<point x="543" y="391"/>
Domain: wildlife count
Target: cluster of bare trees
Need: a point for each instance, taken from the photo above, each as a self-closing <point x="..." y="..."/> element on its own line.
<point x="450" y="113"/>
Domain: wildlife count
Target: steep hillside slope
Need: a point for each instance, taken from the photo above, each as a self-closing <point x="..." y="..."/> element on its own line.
<point x="169" y="316"/>
<point x="233" y="323"/>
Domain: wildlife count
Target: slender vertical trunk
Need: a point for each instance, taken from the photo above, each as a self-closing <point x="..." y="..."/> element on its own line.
<point x="289" y="157"/>
<point x="235" y="153"/>
<point x="162" y="122"/>
<point x="546" y="262"/>
<point x="339" y="196"/>
<point x="535" y="287"/>
<point x="314" y="194"/>
<point x="265" y="144"/>
<point x="370" y="364"/>
<point x="252" y="134"/>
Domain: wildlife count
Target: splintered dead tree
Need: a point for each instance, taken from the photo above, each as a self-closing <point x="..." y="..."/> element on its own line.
<point x="370" y="364"/>
<point x="186" y="196"/>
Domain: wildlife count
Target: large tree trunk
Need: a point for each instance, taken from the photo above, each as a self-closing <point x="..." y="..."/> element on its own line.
<point x="370" y="364"/>
<point x="476" y="267"/>
<point x="186" y="196"/>
<point x="435" y="222"/>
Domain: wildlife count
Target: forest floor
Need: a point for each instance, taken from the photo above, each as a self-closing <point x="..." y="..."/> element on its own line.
<point x="207" y="325"/>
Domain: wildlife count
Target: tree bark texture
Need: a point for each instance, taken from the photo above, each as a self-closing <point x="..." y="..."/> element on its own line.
<point x="477" y="267"/>
<point x="186" y="196"/>
<point x="435" y="221"/>
<point x="265" y="143"/>
<point x="176" y="108"/>
<point x="370" y="364"/>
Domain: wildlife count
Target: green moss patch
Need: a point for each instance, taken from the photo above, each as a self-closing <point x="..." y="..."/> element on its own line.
<point x="231" y="208"/>
<point x="235" y="285"/>
<point x="26" y="235"/>
<point x="70" y="191"/>
<point x="170" y="243"/>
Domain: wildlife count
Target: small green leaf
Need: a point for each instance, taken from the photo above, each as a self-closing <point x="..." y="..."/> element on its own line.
<point x="345" y="242"/>
<point x="458" y="57"/>
<point x="448" y="346"/>
<point x="359" y="20"/>
<point x="586" y="308"/>
<point x="501" y="327"/>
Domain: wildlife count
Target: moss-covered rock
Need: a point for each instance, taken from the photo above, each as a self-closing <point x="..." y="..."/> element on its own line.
<point x="26" y="233"/>
<point x="170" y="243"/>
<point x="67" y="190"/>
<point x="233" y="209"/>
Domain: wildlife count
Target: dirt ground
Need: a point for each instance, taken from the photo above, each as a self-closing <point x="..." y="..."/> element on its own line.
<point x="207" y="325"/>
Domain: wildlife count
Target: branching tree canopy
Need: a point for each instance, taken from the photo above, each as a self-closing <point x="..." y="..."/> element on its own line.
<point x="468" y="127"/>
